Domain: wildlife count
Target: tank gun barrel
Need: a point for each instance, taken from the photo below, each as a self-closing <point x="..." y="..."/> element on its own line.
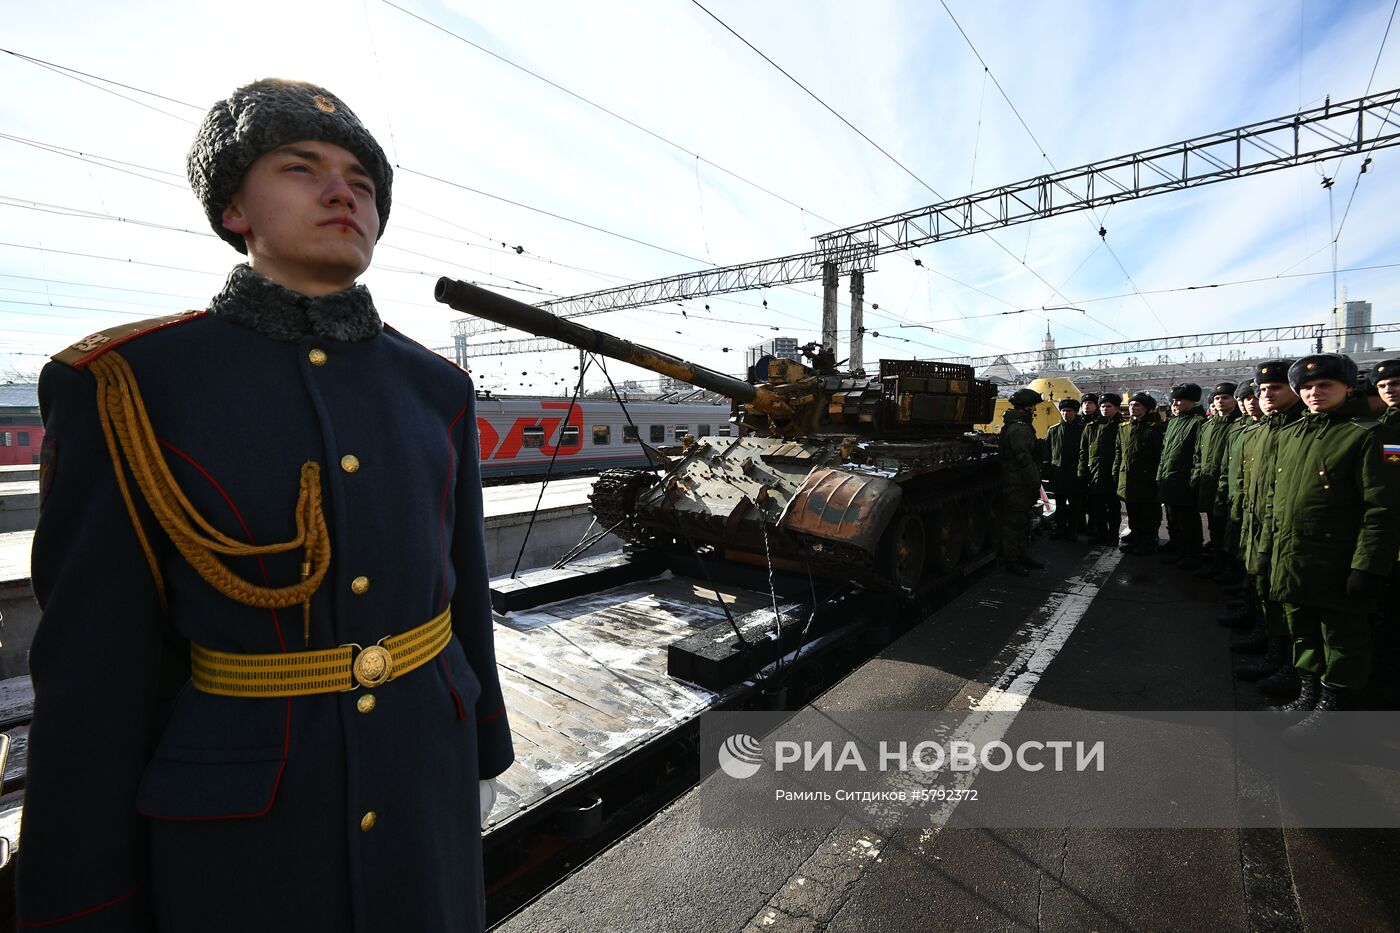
<point x="472" y="299"/>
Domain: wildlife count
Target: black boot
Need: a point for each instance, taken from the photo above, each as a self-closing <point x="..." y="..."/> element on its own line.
<point x="1283" y="685"/>
<point x="1309" y="693"/>
<point x="1264" y="666"/>
<point x="1318" y="731"/>
<point x="1254" y="642"/>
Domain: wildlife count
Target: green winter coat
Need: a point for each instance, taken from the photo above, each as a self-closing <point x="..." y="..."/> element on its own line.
<point x="1336" y="508"/>
<point x="1139" y="450"/>
<point x="1017" y="448"/>
<point x="1179" y="456"/>
<point x="1257" y="485"/>
<point x="1210" y="452"/>
<point x="1062" y="452"/>
<point x="1096" y="454"/>
<point x="1227" y="486"/>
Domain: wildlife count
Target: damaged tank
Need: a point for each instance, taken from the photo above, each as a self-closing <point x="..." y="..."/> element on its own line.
<point x="878" y="479"/>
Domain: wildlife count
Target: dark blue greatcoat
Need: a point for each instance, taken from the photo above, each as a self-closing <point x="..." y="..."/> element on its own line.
<point x="151" y="805"/>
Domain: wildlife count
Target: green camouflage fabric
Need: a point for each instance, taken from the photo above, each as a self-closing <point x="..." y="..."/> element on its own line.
<point x="1336" y="508"/>
<point x="1257" y="485"/>
<point x="1017" y="448"/>
<point x="1179" y="455"/>
<point x="1139" y="450"/>
<point x="1210" y="451"/>
<point x="1096" y="453"/>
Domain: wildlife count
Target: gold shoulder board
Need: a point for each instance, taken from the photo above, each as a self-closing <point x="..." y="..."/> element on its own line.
<point x="91" y="347"/>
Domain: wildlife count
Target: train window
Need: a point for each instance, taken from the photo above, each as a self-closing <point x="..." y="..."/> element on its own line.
<point x="533" y="436"/>
<point x="24" y="438"/>
<point x="5" y="438"/>
<point x="658" y="433"/>
<point x="702" y="430"/>
<point x="630" y="434"/>
<point x="602" y="434"/>
<point x="681" y="431"/>
<point x="570" y="438"/>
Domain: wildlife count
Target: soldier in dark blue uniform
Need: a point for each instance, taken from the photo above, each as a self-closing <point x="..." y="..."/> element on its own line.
<point x="265" y="685"/>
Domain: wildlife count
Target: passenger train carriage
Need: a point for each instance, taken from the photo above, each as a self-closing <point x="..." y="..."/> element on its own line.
<point x="519" y="434"/>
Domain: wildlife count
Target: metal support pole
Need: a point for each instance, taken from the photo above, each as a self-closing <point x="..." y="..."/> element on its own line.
<point x="857" y="355"/>
<point x="830" y="281"/>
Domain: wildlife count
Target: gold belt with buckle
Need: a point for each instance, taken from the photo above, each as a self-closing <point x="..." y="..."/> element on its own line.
<point x="333" y="670"/>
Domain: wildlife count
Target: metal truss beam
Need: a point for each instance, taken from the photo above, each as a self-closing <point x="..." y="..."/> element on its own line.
<point x="1308" y="136"/>
<point x="1332" y="130"/>
<point x="1217" y="339"/>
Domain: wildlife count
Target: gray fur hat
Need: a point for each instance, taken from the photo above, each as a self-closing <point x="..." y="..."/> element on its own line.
<point x="258" y="118"/>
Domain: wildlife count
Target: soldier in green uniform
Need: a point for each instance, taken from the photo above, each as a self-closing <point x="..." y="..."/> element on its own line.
<point x="1205" y="471"/>
<point x="1089" y="408"/>
<point x="1281" y="407"/>
<point x="1174" y="473"/>
<point x="1020" y="481"/>
<point x="1228" y="490"/>
<point x="1335" y="524"/>
<point x="1138" y="452"/>
<point x="1385" y="377"/>
<point x="1089" y="413"/>
<point x="1061" y="467"/>
<point x="1096" y="468"/>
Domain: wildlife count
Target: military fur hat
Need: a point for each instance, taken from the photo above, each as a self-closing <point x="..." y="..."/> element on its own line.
<point x="1224" y="388"/>
<point x="1143" y="398"/>
<point x="1385" y="369"/>
<point x="1188" y="391"/>
<point x="1365" y="386"/>
<point x="1272" y="371"/>
<point x="1246" y="389"/>
<point x="1322" y="366"/>
<point x="260" y="117"/>
<point x="1111" y="398"/>
<point x="1089" y="397"/>
<point x="1067" y="403"/>
<point x="1024" y="397"/>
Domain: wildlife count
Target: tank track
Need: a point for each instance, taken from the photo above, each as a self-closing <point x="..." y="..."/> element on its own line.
<point x="614" y="504"/>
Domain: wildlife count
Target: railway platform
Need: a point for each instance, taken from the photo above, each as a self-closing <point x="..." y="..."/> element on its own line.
<point x="1095" y="630"/>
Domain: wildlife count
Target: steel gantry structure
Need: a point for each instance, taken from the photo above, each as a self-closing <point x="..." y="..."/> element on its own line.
<point x="1355" y="126"/>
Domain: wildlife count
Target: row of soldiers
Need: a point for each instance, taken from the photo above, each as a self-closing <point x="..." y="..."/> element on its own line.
<point x="1297" y="475"/>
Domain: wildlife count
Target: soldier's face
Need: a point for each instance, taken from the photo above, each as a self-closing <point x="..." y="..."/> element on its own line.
<point x="1324" y="394"/>
<point x="1136" y="409"/>
<point x="1276" y="396"/>
<point x="1110" y="410"/>
<point x="308" y="216"/>
<point x="1182" y="404"/>
<point x="1091" y="409"/>
<point x="1068" y="414"/>
<point x="1224" y="404"/>
<point x="1390" y="391"/>
<point x="1252" y="407"/>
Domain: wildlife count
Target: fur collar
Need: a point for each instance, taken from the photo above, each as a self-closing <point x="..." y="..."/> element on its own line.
<point x="260" y="304"/>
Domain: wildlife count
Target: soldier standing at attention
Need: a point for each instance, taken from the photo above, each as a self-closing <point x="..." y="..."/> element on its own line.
<point x="265" y="684"/>
<point x="1174" y="477"/>
<point x="1138" y="452"/>
<point x="1062" y="468"/>
<point x="1281" y="407"/>
<point x="1205" y="471"/>
<point x="1096" y="460"/>
<point x="1088" y="408"/>
<point x="1336" y="532"/>
<point x="1089" y="413"/>
<point x="1020" y="481"/>
<point x="1228" y="488"/>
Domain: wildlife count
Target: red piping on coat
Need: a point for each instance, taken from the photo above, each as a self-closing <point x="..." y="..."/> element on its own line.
<point x="32" y="924"/>
<point x="496" y="714"/>
<point x="236" y="514"/>
<point x="442" y="506"/>
<point x="456" y="698"/>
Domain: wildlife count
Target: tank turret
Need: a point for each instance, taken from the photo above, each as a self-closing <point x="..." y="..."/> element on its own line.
<point x="878" y="479"/>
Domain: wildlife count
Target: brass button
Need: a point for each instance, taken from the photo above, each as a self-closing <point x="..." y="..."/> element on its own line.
<point x="367" y="821"/>
<point x="317" y="357"/>
<point x="349" y="463"/>
<point x="359" y="586"/>
<point x="365" y="703"/>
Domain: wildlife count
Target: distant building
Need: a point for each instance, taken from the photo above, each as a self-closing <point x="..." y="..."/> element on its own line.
<point x="1002" y="373"/>
<point x="785" y="347"/>
<point x="1352" y="315"/>
<point x="1049" y="358"/>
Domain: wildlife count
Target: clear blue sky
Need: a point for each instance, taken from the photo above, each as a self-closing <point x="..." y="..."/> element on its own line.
<point x="1091" y="80"/>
